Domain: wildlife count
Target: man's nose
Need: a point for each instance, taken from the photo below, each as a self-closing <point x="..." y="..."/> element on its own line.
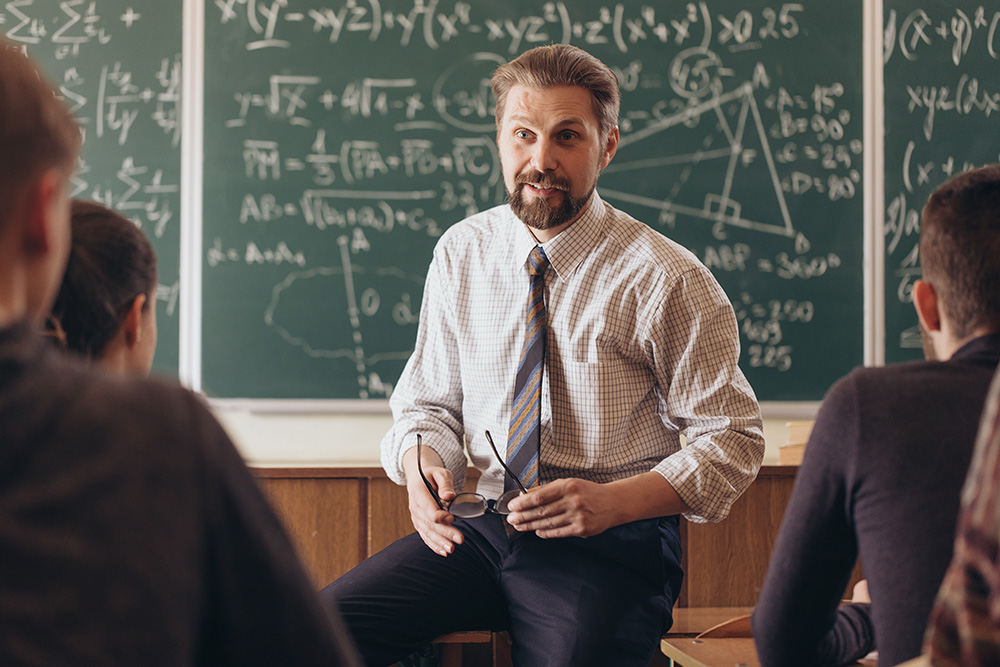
<point x="544" y="157"/>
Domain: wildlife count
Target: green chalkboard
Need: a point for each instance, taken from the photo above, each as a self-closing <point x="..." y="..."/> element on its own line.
<point x="342" y="138"/>
<point x="942" y="116"/>
<point x="117" y="66"/>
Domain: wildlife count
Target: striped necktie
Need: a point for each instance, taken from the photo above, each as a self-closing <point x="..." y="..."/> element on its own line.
<point x="523" y="438"/>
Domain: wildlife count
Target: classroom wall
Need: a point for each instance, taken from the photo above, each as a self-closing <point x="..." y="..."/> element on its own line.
<point x="349" y="439"/>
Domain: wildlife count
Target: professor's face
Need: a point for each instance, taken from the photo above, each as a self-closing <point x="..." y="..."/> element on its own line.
<point x="552" y="152"/>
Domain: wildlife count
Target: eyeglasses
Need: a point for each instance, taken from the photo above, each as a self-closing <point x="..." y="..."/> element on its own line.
<point x="471" y="505"/>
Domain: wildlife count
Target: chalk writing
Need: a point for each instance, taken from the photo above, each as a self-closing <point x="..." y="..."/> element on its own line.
<point x="117" y="67"/>
<point x="940" y="63"/>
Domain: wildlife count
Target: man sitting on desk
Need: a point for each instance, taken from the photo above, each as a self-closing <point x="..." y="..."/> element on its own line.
<point x="586" y="343"/>
<point x="887" y="457"/>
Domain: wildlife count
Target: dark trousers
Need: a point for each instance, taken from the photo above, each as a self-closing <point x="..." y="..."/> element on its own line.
<point x="602" y="600"/>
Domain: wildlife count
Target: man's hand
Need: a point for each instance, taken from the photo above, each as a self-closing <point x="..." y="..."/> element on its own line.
<point x="431" y="522"/>
<point x="576" y="507"/>
<point x="565" y="508"/>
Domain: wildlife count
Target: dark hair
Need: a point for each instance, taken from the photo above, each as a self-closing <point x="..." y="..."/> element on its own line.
<point x="110" y="263"/>
<point x="561" y="65"/>
<point x="37" y="132"/>
<point x="960" y="248"/>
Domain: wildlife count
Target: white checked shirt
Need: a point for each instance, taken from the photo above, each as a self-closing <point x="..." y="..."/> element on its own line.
<point x="642" y="346"/>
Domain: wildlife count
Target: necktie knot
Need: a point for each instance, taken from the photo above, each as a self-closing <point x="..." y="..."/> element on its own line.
<point x="538" y="261"/>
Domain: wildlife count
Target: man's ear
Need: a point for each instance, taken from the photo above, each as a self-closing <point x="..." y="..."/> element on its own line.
<point x="610" y="147"/>
<point x="925" y="300"/>
<point x="132" y="325"/>
<point x="40" y="201"/>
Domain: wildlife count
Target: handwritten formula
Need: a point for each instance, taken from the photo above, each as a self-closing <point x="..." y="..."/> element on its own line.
<point x="942" y="116"/>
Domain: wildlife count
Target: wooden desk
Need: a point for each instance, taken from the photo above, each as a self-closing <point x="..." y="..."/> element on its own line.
<point x="337" y="517"/>
<point x="692" y="621"/>
<point x="687" y="652"/>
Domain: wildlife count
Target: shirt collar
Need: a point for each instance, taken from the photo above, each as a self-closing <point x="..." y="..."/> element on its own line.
<point x="570" y="246"/>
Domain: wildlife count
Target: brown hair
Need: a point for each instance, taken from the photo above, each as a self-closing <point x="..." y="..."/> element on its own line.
<point x="37" y="132"/>
<point x="561" y="65"/>
<point x="960" y="248"/>
<point x="110" y="263"/>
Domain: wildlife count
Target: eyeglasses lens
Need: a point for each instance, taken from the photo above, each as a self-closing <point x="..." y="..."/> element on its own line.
<point x="468" y="505"/>
<point x="506" y="498"/>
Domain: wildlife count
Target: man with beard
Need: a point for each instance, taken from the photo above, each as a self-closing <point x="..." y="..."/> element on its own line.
<point x="564" y="347"/>
<point x="887" y="457"/>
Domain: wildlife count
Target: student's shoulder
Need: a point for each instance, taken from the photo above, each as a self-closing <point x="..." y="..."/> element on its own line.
<point x="920" y="377"/>
<point x="902" y="392"/>
<point x="867" y="381"/>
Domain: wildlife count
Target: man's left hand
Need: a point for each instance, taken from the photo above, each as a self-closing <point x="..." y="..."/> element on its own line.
<point x="566" y="508"/>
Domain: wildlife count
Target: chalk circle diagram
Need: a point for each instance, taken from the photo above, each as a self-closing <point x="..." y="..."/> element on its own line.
<point x="462" y="95"/>
<point x="707" y="135"/>
<point x="385" y="313"/>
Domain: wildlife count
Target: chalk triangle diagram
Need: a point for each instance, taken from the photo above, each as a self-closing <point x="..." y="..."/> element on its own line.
<point x="711" y="162"/>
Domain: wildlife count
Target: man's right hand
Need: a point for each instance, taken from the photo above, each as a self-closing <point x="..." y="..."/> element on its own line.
<point x="433" y="523"/>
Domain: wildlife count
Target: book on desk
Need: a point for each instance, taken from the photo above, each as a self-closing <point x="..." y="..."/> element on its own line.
<point x="792" y="451"/>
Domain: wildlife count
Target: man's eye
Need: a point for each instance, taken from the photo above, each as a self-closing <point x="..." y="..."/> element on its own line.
<point x="521" y="134"/>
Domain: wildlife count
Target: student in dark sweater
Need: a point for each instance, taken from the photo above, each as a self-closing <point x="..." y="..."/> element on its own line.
<point x="130" y="531"/>
<point x="884" y="466"/>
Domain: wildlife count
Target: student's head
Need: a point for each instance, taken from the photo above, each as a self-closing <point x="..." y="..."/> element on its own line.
<point x="557" y="114"/>
<point x="106" y="307"/>
<point x="960" y="256"/>
<point x="39" y="142"/>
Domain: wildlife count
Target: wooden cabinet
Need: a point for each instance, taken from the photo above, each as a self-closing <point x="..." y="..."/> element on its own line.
<point x="336" y="517"/>
<point x="339" y="516"/>
<point x="725" y="562"/>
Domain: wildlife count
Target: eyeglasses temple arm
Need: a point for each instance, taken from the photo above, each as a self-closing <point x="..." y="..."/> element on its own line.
<point x="510" y="472"/>
<point x="420" y="469"/>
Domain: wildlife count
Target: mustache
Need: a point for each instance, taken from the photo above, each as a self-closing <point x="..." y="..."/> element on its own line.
<point x="541" y="180"/>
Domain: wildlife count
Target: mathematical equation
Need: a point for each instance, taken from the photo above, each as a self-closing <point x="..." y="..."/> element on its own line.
<point x="739" y="257"/>
<point x="140" y="192"/>
<point x="917" y="34"/>
<point x="765" y="325"/>
<point x="74" y="25"/>
<point x="434" y="24"/>
<point x="356" y="160"/>
<point x="941" y="91"/>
